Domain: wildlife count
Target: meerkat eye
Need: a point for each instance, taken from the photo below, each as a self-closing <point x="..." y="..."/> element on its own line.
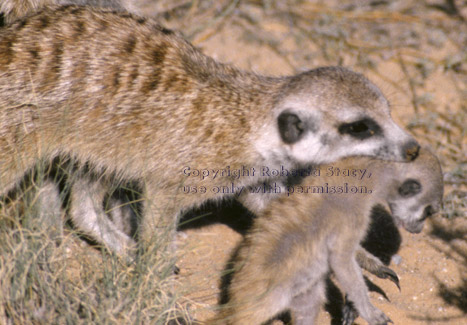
<point x="291" y="127"/>
<point x="361" y="129"/>
<point x="410" y="188"/>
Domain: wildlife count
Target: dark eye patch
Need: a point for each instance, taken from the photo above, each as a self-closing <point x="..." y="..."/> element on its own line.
<point x="291" y="127"/>
<point x="361" y="129"/>
<point x="410" y="188"/>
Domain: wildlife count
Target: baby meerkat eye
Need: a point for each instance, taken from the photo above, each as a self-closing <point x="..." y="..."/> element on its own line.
<point x="410" y="188"/>
<point x="291" y="127"/>
<point x="361" y="129"/>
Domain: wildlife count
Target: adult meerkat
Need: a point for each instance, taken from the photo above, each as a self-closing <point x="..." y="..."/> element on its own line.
<point x="135" y="102"/>
<point x="283" y="261"/>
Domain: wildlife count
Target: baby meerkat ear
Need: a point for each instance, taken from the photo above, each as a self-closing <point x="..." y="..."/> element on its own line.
<point x="291" y="127"/>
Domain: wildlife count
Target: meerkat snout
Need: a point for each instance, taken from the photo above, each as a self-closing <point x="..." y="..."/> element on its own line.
<point x="428" y="212"/>
<point x="410" y="150"/>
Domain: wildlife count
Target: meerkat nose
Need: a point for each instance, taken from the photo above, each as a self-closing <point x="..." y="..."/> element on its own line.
<point x="410" y="150"/>
<point x="429" y="211"/>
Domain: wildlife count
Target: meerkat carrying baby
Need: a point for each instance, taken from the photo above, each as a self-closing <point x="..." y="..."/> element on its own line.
<point x="283" y="261"/>
<point x="132" y="101"/>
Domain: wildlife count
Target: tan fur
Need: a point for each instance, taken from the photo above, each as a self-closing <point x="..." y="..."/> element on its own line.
<point x="284" y="260"/>
<point x="86" y="211"/>
<point x="133" y="101"/>
<point x="18" y="9"/>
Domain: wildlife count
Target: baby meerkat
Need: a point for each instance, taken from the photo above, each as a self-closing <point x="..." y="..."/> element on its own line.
<point x="283" y="261"/>
<point x="134" y="102"/>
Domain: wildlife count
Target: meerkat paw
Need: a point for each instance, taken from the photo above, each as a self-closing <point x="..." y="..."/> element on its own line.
<point x="387" y="273"/>
<point x="349" y="313"/>
<point x="379" y="318"/>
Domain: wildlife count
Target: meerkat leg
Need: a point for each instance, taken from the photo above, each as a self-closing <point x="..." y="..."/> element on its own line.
<point x="372" y="264"/>
<point x="48" y="204"/>
<point x="349" y="275"/>
<point x="157" y="227"/>
<point x="306" y="306"/>
<point x="122" y="214"/>
<point x="88" y="215"/>
<point x="349" y="313"/>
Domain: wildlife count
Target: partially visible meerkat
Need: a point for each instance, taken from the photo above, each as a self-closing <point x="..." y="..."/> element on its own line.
<point x="135" y="102"/>
<point x="18" y="9"/>
<point x="283" y="261"/>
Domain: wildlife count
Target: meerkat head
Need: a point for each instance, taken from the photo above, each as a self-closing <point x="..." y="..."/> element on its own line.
<point x="416" y="191"/>
<point x="330" y="113"/>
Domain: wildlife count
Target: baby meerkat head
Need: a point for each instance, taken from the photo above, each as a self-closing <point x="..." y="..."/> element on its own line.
<point x="329" y="113"/>
<point x="416" y="192"/>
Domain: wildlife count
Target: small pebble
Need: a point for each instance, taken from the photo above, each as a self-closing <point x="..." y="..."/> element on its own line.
<point x="396" y="259"/>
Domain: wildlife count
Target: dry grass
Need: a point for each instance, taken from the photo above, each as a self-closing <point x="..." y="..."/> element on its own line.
<point x="52" y="276"/>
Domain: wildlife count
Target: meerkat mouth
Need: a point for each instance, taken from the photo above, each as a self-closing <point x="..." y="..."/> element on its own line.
<point x="414" y="227"/>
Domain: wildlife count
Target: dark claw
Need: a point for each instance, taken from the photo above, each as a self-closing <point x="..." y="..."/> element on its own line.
<point x="386" y="321"/>
<point x="349" y="313"/>
<point x="387" y="273"/>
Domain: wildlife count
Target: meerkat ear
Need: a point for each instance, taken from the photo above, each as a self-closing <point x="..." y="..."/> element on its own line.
<point x="291" y="127"/>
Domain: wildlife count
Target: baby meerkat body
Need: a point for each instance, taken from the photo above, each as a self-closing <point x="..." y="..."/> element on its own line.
<point x="133" y="101"/>
<point x="283" y="262"/>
